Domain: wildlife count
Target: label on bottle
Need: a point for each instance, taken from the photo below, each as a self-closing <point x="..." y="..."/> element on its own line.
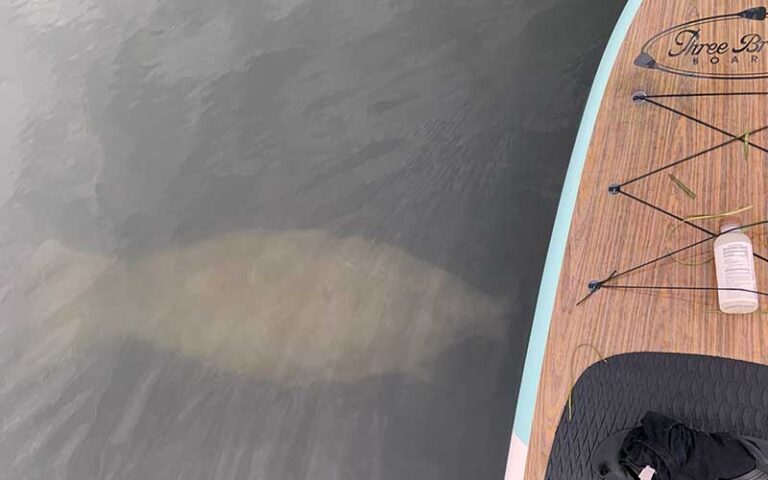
<point x="735" y="269"/>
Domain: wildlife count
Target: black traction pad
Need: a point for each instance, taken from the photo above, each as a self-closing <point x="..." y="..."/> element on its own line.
<point x="708" y="393"/>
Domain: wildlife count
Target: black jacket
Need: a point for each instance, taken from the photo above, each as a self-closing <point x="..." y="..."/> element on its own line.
<point x="678" y="452"/>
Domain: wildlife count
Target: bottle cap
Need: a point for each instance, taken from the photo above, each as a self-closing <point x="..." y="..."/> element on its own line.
<point x="729" y="223"/>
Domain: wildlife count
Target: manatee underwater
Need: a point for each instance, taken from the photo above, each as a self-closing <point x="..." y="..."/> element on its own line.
<point x="292" y="307"/>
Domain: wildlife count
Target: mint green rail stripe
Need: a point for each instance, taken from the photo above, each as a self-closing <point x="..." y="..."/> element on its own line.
<point x="550" y="278"/>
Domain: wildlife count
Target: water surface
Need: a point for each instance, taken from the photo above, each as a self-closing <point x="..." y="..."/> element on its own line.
<point x="277" y="240"/>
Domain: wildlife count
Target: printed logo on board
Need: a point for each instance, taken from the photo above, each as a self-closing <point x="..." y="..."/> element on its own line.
<point x="730" y="46"/>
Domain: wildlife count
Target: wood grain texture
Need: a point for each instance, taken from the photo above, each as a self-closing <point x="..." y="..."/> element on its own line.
<point x="614" y="232"/>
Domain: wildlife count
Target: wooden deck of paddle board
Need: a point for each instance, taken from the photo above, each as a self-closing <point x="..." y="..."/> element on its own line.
<point x="614" y="232"/>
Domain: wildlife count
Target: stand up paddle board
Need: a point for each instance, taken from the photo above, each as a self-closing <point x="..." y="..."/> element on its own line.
<point x="674" y="136"/>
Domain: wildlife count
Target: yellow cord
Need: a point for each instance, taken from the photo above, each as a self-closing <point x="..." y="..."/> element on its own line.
<point x="573" y="375"/>
<point x="673" y="229"/>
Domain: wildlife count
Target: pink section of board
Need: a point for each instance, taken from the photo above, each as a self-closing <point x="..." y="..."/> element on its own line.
<point x="518" y="451"/>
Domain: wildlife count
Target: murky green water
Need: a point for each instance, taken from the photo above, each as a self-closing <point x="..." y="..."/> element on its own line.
<point x="277" y="240"/>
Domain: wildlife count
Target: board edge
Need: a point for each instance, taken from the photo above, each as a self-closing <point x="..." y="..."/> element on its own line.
<point x="526" y="401"/>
